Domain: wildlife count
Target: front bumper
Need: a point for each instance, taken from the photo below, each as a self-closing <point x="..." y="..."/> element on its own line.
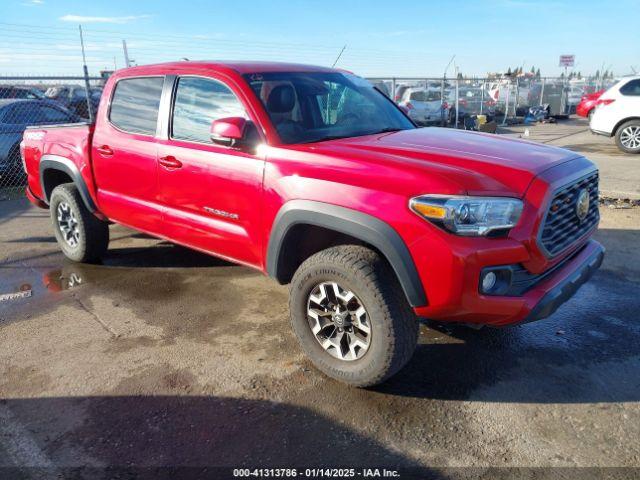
<point x="538" y="302"/>
<point x="569" y="285"/>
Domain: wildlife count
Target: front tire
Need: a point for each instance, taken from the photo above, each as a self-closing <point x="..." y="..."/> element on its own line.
<point x="351" y="316"/>
<point x="82" y="237"/>
<point x="628" y="136"/>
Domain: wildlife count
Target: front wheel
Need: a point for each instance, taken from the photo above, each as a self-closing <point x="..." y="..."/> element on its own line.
<point x="82" y="236"/>
<point x="628" y="137"/>
<point x="351" y="316"/>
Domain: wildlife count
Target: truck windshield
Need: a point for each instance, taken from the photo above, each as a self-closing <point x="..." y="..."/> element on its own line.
<point x="307" y="107"/>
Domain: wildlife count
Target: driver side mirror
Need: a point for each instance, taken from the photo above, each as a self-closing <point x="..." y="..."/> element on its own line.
<point x="228" y="131"/>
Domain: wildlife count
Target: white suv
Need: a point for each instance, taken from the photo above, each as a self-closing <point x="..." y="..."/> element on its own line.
<point x="618" y="114"/>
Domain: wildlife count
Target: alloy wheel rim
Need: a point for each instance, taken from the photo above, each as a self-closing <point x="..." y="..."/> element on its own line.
<point x="630" y="137"/>
<point x="339" y="321"/>
<point x="68" y="224"/>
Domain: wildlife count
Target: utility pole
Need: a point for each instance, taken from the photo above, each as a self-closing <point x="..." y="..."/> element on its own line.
<point x="444" y="78"/>
<point x="86" y="77"/>
<point x="457" y="95"/>
<point x="127" y="63"/>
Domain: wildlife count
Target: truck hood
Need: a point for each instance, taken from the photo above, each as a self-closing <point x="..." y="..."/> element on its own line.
<point x="501" y="165"/>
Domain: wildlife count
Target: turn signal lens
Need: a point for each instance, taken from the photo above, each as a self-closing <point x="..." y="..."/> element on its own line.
<point x="430" y="211"/>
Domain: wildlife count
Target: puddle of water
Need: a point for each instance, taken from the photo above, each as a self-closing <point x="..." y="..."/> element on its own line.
<point x="24" y="292"/>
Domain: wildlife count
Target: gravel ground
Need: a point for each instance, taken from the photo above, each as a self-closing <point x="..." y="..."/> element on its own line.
<point x="166" y="357"/>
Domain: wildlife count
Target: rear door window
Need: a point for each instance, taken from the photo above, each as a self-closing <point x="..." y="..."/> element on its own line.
<point x="135" y="104"/>
<point x="418" y="96"/>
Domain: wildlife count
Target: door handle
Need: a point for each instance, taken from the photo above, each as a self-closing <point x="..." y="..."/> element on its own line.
<point x="105" y="151"/>
<point x="170" y="162"/>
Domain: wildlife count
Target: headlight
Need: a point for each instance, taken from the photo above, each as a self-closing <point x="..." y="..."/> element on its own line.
<point x="470" y="216"/>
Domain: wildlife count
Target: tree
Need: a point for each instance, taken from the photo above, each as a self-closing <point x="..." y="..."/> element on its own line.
<point x="509" y="72"/>
<point x="533" y="70"/>
<point x="538" y="73"/>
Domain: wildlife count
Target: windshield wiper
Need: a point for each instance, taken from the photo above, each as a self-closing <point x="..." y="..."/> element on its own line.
<point x="336" y="137"/>
<point x="326" y="138"/>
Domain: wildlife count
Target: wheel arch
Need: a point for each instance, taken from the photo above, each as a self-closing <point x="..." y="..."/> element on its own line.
<point x="622" y="122"/>
<point x="364" y="228"/>
<point x="54" y="169"/>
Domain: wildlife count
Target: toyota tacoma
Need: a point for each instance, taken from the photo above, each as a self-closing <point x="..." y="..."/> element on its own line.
<point x="317" y="179"/>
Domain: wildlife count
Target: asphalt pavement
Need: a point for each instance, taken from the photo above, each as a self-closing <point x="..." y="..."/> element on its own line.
<point x="162" y="356"/>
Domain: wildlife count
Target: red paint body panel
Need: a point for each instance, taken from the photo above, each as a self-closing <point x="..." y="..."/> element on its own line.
<point x="588" y="103"/>
<point x="224" y="201"/>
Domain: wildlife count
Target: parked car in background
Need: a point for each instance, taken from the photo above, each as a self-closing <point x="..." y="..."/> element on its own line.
<point x="424" y="106"/>
<point x="588" y="103"/>
<point x="574" y="97"/>
<point x="471" y="101"/>
<point x="15" y="116"/>
<point x="617" y="114"/>
<point x="74" y="97"/>
<point x="20" y="92"/>
<point x="383" y="86"/>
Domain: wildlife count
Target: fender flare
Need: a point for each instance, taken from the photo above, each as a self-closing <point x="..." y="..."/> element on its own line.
<point x="56" y="162"/>
<point x="359" y="225"/>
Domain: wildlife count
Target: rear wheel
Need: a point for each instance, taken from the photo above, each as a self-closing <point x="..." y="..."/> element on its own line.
<point x="351" y="317"/>
<point x="628" y="137"/>
<point x="81" y="236"/>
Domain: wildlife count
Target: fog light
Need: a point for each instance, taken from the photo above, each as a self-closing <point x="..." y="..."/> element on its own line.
<point x="488" y="281"/>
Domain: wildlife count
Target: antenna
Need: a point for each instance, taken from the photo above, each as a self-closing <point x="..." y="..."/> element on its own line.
<point x="86" y="77"/>
<point x="339" y="55"/>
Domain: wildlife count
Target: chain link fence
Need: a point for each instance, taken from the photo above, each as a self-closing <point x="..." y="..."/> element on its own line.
<point x="503" y="100"/>
<point x="454" y="103"/>
<point x="27" y="101"/>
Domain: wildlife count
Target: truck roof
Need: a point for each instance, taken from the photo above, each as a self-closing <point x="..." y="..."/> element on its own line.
<point x="240" y="67"/>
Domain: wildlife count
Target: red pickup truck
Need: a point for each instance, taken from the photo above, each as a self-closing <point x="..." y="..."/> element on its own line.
<point x="317" y="179"/>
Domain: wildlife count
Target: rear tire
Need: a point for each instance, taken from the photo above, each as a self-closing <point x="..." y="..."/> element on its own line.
<point x="81" y="236"/>
<point x="628" y="136"/>
<point x="378" y="305"/>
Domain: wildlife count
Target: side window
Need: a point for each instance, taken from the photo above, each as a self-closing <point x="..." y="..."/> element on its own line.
<point x="632" y="88"/>
<point x="198" y="102"/>
<point x="135" y="104"/>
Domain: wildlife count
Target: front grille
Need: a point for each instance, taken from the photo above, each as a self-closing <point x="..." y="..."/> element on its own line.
<point x="562" y="226"/>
